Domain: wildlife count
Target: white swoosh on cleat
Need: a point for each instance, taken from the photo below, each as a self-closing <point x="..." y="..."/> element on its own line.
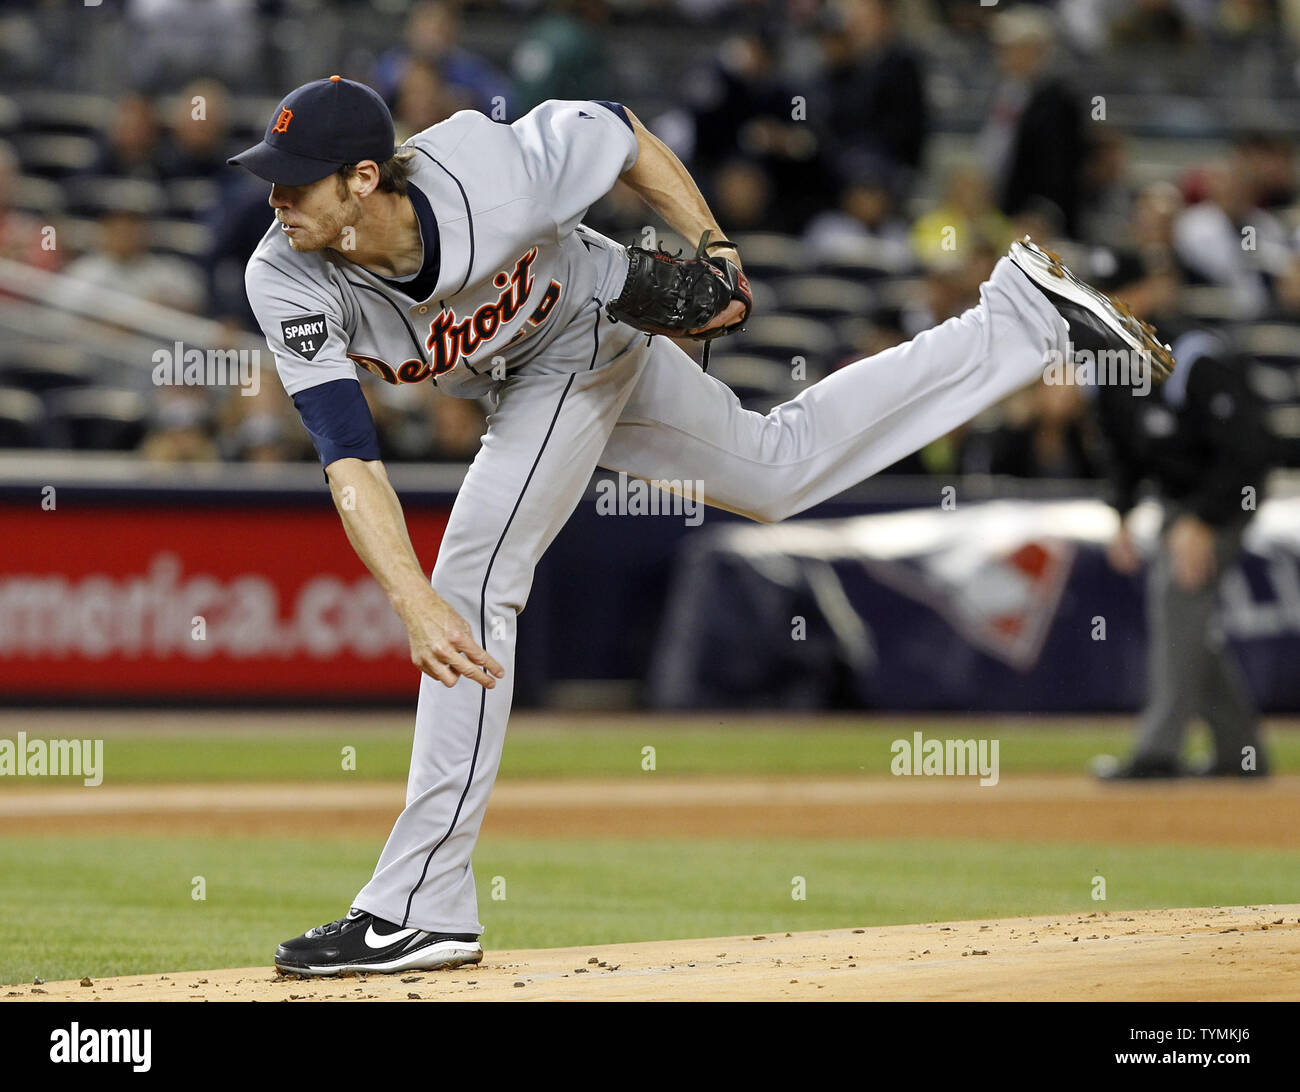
<point x="375" y="940"/>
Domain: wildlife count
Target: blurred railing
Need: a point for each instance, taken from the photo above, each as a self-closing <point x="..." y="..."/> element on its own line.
<point x="57" y="307"/>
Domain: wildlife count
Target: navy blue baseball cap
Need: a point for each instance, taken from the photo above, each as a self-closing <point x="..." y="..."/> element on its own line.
<point x="318" y="128"/>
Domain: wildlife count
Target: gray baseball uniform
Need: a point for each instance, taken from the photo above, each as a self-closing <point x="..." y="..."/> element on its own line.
<point x="523" y="282"/>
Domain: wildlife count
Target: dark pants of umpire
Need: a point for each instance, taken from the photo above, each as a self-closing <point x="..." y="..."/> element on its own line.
<point x="1191" y="670"/>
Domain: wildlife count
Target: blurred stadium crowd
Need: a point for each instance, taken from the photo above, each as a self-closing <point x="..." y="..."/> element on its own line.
<point x="873" y="159"/>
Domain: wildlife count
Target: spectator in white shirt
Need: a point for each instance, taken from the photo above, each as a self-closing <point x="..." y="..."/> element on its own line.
<point x="122" y="262"/>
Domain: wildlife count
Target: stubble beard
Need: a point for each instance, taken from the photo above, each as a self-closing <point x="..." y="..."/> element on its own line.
<point x="329" y="228"/>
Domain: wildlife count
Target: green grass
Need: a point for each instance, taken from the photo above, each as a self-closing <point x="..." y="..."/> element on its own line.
<point x="734" y="746"/>
<point x="107" y="906"/>
<point x="115" y="905"/>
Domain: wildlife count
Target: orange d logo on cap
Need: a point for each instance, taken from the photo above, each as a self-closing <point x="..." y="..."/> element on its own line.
<point x="316" y="129"/>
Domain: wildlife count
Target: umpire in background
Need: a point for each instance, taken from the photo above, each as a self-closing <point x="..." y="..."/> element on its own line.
<point x="1200" y="440"/>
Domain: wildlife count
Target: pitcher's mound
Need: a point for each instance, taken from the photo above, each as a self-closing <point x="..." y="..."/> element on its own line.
<point x="1247" y="953"/>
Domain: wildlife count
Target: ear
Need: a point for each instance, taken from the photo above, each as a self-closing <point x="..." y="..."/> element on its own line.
<point x="365" y="178"/>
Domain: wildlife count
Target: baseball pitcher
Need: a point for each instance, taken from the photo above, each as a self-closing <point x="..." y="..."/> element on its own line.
<point x="461" y="258"/>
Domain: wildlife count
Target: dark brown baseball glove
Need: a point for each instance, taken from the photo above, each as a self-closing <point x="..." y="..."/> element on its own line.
<point x="677" y="296"/>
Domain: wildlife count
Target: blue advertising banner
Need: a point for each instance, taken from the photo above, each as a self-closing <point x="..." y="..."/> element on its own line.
<point x="1005" y="606"/>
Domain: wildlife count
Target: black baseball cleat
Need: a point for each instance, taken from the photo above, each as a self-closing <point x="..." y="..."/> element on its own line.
<point x="363" y="942"/>
<point x="1215" y="768"/>
<point x="1138" y="768"/>
<point x="1097" y="322"/>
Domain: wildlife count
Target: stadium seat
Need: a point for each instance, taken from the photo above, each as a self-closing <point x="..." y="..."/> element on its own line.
<point x="77" y="234"/>
<point x="1271" y="342"/>
<point x="248" y="118"/>
<point x="180" y="237"/>
<point x="769" y="255"/>
<point x="868" y="261"/>
<point x="822" y="297"/>
<point x="39" y="196"/>
<point x="1208" y="303"/>
<point x="900" y="293"/>
<point x="1272" y="382"/>
<point x="39" y="367"/>
<point x="55" y="155"/>
<point x="10" y="116"/>
<point x="764" y="296"/>
<point x="1284" y="423"/>
<point x="97" y="419"/>
<point x="191" y="198"/>
<point x="759" y="382"/>
<point x="853" y="332"/>
<point x="22" y="419"/>
<point x="783" y="337"/>
<point x="64" y="111"/>
<point x="93" y="195"/>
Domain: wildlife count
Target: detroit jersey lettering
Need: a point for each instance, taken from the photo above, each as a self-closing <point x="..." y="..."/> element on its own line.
<point x="517" y="268"/>
<point x="450" y="338"/>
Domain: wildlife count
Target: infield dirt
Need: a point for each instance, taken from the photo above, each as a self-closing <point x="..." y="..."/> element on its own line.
<point x="1217" y="954"/>
<point x="1038" y="809"/>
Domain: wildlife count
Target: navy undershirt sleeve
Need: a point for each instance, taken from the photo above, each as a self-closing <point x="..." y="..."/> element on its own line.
<point x="617" y="108"/>
<point x="338" y="420"/>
